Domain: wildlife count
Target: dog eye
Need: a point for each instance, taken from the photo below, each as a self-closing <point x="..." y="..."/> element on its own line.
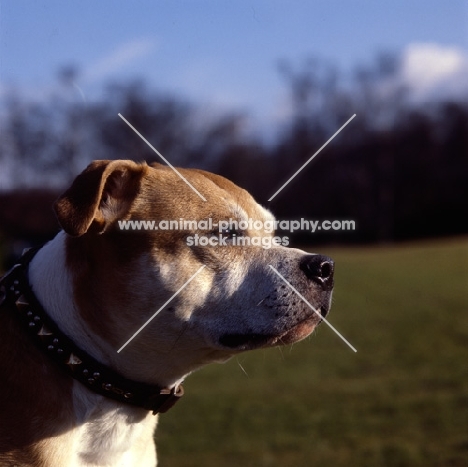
<point x="231" y="233"/>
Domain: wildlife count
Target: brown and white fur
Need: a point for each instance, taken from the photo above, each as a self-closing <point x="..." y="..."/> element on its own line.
<point x="100" y="284"/>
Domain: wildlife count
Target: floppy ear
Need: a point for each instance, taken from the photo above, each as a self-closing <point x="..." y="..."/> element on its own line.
<point x="102" y="193"/>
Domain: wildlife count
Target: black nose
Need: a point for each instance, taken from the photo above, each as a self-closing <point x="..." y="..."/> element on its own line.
<point x="319" y="269"/>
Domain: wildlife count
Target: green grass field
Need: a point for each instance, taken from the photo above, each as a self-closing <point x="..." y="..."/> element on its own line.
<point x="402" y="400"/>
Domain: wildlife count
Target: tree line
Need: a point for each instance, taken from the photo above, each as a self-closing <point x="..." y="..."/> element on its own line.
<point x="400" y="170"/>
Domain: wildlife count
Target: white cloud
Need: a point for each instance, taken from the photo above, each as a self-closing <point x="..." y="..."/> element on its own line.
<point x="85" y="87"/>
<point x="433" y="71"/>
<point x="121" y="57"/>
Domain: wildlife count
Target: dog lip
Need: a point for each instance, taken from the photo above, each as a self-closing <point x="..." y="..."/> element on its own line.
<point x="246" y="341"/>
<point x="324" y="311"/>
<point x="250" y="341"/>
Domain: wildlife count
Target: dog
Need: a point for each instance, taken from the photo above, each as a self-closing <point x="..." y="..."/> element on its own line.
<point x="68" y="396"/>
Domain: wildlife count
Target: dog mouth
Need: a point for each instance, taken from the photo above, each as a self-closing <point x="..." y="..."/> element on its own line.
<point x="250" y="341"/>
<point x="246" y="341"/>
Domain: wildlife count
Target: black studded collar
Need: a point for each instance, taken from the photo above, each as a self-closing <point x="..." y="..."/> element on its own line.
<point x="16" y="293"/>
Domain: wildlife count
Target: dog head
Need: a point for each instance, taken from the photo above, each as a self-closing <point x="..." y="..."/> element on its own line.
<point x="220" y="296"/>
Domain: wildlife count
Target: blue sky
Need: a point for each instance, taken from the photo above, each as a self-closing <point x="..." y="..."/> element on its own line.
<point x="223" y="52"/>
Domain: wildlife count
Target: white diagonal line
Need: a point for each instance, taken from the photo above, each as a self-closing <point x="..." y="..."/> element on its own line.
<point x="312" y="157"/>
<point x="154" y="315"/>
<point x="312" y="308"/>
<point x="161" y="156"/>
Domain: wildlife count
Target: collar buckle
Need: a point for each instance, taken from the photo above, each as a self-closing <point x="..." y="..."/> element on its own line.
<point x="165" y="399"/>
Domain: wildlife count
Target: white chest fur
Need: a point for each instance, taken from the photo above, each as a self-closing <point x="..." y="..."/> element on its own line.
<point x="105" y="432"/>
